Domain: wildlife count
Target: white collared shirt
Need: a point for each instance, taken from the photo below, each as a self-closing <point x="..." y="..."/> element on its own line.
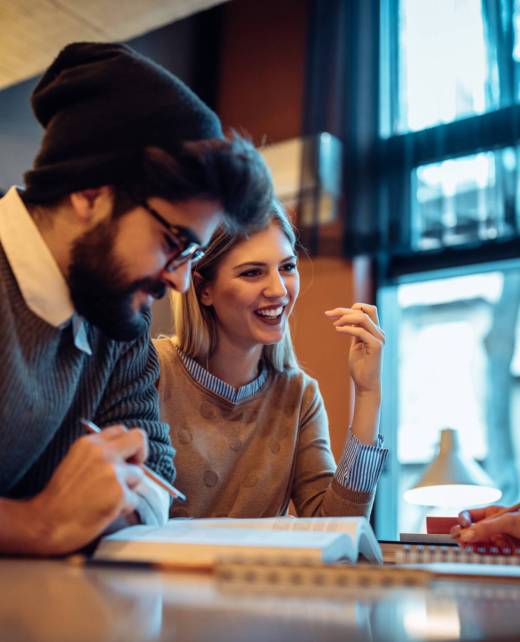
<point x="41" y="282"/>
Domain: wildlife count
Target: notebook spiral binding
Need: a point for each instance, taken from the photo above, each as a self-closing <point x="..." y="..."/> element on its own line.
<point x="424" y="554"/>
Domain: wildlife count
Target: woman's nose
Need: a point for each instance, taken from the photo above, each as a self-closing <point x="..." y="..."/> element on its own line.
<point x="276" y="285"/>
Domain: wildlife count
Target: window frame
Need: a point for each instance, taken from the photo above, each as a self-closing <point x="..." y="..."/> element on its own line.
<point x="400" y="154"/>
<point x="393" y="159"/>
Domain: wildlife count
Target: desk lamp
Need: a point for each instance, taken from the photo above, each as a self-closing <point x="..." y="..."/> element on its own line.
<point x="452" y="479"/>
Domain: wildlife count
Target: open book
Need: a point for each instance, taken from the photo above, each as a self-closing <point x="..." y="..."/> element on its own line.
<point x="201" y="543"/>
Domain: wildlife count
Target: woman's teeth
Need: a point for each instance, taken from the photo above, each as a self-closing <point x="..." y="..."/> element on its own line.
<point x="270" y="312"/>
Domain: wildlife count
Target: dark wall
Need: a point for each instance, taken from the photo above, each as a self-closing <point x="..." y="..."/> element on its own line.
<point x="19" y="133"/>
<point x="189" y="48"/>
<point x="262" y="70"/>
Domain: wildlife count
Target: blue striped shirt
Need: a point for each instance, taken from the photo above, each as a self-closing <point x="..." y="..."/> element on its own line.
<point x="219" y="387"/>
<point x="361" y="464"/>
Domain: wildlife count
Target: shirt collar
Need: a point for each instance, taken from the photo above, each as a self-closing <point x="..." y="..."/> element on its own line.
<point x="39" y="278"/>
<point x="219" y="387"/>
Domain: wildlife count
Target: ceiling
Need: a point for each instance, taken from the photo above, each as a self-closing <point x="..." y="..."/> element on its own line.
<point x="33" y="31"/>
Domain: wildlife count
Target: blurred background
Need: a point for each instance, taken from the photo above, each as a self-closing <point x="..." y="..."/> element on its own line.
<point x="393" y="129"/>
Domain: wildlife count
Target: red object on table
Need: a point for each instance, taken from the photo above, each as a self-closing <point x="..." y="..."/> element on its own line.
<point x="440" y="525"/>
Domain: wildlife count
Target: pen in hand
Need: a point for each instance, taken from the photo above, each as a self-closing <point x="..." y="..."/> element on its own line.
<point x="91" y="427"/>
<point x="464" y="530"/>
<point x="465" y="517"/>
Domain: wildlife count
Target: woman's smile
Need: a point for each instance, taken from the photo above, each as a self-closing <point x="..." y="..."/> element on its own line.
<point x="272" y="315"/>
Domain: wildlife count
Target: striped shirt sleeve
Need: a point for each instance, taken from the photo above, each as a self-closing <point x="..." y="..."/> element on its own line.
<point x="361" y="464"/>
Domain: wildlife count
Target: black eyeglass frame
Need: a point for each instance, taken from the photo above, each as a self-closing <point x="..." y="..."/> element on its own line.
<point x="189" y="246"/>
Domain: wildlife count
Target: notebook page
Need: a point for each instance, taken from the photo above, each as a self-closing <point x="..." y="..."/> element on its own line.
<point x="357" y="529"/>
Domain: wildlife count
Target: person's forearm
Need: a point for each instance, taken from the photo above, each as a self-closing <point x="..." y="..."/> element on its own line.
<point x="365" y="422"/>
<point x="21" y="529"/>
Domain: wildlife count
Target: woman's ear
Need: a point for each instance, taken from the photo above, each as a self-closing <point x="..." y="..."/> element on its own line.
<point x="203" y="289"/>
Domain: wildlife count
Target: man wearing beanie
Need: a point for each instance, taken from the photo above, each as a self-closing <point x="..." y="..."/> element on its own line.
<point x="133" y="176"/>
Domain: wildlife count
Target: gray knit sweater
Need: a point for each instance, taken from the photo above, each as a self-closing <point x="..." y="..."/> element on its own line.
<point x="47" y="385"/>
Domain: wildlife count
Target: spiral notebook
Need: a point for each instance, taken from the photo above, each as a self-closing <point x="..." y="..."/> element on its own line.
<point x="451" y="561"/>
<point x="454" y="554"/>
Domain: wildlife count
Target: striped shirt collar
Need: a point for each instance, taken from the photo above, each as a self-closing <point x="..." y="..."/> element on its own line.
<point x="39" y="278"/>
<point x="219" y="387"/>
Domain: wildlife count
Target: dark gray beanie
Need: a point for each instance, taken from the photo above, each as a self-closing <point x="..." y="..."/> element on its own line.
<point x="101" y="104"/>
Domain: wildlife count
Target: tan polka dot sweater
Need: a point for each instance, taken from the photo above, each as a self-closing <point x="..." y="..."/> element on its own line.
<point x="250" y="457"/>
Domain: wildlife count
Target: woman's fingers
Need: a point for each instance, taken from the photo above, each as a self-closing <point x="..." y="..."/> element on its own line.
<point x="359" y="333"/>
<point x="371" y="310"/>
<point x="349" y="317"/>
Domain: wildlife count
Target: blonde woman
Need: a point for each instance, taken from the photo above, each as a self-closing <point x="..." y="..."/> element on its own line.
<point x="249" y="425"/>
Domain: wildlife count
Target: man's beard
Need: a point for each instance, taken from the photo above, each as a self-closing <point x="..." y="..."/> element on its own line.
<point x="98" y="287"/>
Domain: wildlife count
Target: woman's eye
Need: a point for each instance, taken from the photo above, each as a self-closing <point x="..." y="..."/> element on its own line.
<point x="289" y="267"/>
<point x="251" y="273"/>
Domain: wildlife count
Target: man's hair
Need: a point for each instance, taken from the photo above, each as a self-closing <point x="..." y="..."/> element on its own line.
<point x="196" y="324"/>
<point x="228" y="170"/>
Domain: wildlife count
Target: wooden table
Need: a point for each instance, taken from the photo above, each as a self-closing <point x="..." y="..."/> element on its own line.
<point x="54" y="601"/>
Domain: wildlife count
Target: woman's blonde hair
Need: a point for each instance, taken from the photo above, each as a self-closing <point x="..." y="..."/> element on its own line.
<point x="196" y="324"/>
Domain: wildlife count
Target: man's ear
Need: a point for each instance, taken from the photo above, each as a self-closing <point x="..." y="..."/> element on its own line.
<point x="203" y="289"/>
<point x="94" y="204"/>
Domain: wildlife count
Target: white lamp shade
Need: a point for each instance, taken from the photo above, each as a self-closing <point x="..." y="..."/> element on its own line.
<point x="453" y="480"/>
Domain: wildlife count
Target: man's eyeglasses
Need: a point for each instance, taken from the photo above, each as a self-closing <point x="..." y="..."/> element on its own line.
<point x="185" y="246"/>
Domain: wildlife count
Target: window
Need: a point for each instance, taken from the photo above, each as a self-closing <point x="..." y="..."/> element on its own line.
<point x="439" y="78"/>
<point x="464" y="200"/>
<point x="448" y="195"/>
<point x="456" y="364"/>
<point x="449" y="122"/>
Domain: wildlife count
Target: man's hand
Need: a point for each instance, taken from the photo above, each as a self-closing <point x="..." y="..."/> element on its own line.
<point x="92" y="487"/>
<point x="488" y="526"/>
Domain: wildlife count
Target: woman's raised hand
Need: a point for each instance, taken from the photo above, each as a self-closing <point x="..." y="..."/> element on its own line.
<point x="361" y="322"/>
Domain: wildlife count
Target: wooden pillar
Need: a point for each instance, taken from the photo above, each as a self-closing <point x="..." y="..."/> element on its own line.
<point x="261" y="91"/>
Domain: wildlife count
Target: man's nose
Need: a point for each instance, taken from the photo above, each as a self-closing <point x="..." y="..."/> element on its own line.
<point x="179" y="279"/>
